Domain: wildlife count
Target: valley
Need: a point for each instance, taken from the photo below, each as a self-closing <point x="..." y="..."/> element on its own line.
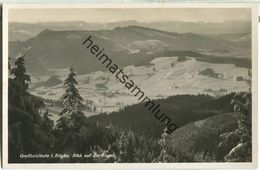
<point x="193" y="66"/>
<point x="163" y="77"/>
<point x="161" y="63"/>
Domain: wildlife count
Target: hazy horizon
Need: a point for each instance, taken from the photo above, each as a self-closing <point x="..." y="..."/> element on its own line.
<point x="53" y="21"/>
<point x="144" y="15"/>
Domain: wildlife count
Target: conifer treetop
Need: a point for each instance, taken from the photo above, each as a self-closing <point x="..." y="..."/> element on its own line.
<point x="71" y="100"/>
<point x="20" y="75"/>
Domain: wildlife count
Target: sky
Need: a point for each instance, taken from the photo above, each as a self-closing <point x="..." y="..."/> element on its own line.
<point x="99" y="15"/>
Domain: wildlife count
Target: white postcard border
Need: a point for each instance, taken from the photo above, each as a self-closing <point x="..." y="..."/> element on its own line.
<point x="253" y="164"/>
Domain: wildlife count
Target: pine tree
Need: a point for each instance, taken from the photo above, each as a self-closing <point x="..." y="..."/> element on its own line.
<point x="26" y="129"/>
<point x="242" y="152"/>
<point x="18" y="83"/>
<point x="20" y="76"/>
<point x="164" y="156"/>
<point x="71" y="114"/>
<point x="126" y="143"/>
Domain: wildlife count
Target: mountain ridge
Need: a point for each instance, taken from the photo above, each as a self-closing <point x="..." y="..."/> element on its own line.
<point x="49" y="47"/>
<point x="19" y="31"/>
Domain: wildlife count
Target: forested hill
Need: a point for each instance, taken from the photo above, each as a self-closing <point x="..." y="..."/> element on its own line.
<point x="29" y="129"/>
<point x="131" y="45"/>
<point x="181" y="108"/>
<point x="204" y="124"/>
<point x="208" y="130"/>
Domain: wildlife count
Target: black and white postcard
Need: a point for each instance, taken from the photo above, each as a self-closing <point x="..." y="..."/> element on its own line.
<point x="130" y="85"/>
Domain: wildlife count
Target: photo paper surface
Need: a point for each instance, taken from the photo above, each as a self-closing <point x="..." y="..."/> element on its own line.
<point x="113" y="85"/>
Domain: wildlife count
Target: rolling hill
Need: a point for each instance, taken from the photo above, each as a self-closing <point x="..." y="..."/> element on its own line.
<point x="183" y="108"/>
<point x="59" y="49"/>
<point x="201" y="121"/>
<point x="201" y="138"/>
<point x="23" y="31"/>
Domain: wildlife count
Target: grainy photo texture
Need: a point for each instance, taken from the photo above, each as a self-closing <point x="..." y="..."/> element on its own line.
<point x="129" y="85"/>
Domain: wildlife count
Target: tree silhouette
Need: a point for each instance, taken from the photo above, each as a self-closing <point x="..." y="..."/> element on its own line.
<point x="164" y="155"/>
<point x="19" y="83"/>
<point x="71" y="113"/>
<point x="242" y="150"/>
<point x="20" y="75"/>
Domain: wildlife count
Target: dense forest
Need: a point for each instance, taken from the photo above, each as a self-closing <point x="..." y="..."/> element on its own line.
<point x="209" y="129"/>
